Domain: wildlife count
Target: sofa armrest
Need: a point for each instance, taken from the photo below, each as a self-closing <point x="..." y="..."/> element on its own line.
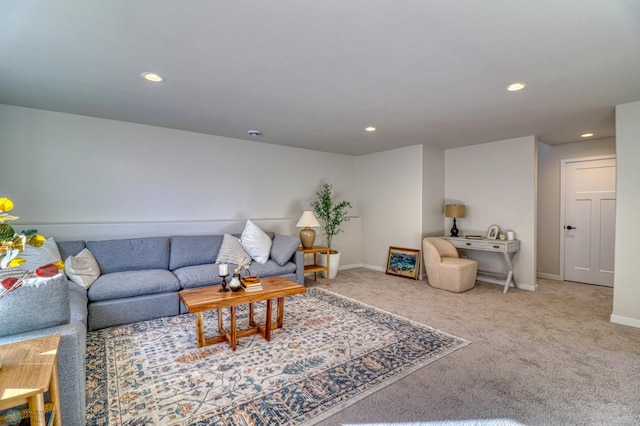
<point x="298" y="259"/>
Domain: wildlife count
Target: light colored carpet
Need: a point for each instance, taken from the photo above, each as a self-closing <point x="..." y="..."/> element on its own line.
<point x="549" y="357"/>
<point x="331" y="352"/>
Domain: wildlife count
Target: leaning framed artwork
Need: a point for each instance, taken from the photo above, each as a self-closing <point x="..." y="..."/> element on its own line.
<point x="403" y="262"/>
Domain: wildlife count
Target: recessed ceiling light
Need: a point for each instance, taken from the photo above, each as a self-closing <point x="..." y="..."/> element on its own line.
<point x="370" y="129"/>
<point x="254" y="133"/>
<point x="152" y="76"/>
<point x="514" y="87"/>
<point x="586" y="135"/>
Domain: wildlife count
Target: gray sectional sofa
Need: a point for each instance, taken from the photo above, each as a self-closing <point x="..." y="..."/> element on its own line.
<point x="139" y="280"/>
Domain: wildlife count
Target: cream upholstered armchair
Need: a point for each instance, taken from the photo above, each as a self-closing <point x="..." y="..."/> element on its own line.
<point x="445" y="269"/>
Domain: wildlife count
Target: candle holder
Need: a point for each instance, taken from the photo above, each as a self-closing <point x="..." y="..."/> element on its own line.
<point x="224" y="282"/>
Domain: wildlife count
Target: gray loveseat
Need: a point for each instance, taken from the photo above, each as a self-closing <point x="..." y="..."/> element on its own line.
<point x="139" y="280"/>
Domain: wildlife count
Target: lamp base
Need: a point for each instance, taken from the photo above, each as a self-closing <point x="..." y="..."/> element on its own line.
<point x="307" y="237"/>
<point x="454" y="230"/>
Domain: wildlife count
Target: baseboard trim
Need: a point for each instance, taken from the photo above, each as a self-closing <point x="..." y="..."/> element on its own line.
<point x="631" y="322"/>
<point x="373" y="267"/>
<point x="553" y="277"/>
<point x="528" y="287"/>
<point x="352" y="266"/>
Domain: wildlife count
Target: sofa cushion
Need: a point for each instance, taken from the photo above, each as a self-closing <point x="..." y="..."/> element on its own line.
<point x="256" y="242"/>
<point x="118" y="285"/>
<point x="39" y="303"/>
<point x="70" y="248"/>
<point x="283" y="248"/>
<point x="271" y="268"/>
<point x="82" y="268"/>
<point x="199" y="275"/>
<point x="232" y="251"/>
<point x="132" y="254"/>
<point x="189" y="250"/>
<point x="36" y="257"/>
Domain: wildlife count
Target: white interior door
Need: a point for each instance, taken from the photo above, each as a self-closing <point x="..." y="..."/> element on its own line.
<point x="589" y="222"/>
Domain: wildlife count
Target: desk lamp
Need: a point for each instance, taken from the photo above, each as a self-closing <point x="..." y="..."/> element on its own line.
<point x="454" y="211"/>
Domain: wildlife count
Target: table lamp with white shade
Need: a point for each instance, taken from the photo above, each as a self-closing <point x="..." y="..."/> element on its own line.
<point x="307" y="235"/>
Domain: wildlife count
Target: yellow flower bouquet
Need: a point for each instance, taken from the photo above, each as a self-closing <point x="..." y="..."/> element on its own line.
<point x="12" y="244"/>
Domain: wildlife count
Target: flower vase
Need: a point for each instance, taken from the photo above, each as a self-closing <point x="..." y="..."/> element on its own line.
<point x="235" y="284"/>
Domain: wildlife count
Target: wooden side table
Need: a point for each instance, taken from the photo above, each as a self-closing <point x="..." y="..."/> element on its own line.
<point x="29" y="369"/>
<point x="314" y="267"/>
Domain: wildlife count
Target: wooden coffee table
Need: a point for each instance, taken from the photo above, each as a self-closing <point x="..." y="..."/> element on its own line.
<point x="200" y="300"/>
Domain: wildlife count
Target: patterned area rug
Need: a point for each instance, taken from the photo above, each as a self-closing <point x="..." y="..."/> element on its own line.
<point x="331" y="352"/>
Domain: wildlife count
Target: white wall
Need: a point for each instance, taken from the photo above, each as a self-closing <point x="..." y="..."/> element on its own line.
<point x="390" y="199"/>
<point x="432" y="191"/>
<point x="497" y="183"/>
<point x="549" y="159"/>
<point x="626" y="287"/>
<point x="70" y="174"/>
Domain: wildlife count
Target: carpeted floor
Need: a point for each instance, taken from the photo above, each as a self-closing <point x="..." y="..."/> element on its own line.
<point x="332" y="352"/>
<point x="549" y="357"/>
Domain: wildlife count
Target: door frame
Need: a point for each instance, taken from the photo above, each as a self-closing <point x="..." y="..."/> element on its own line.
<point x="563" y="164"/>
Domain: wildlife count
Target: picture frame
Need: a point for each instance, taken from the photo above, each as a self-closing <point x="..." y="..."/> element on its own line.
<point x="403" y="262"/>
<point x="492" y="232"/>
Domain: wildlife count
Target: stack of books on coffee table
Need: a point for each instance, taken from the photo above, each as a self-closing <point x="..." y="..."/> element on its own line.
<point x="251" y="283"/>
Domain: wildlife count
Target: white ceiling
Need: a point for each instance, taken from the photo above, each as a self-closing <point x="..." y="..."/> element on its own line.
<point x="314" y="74"/>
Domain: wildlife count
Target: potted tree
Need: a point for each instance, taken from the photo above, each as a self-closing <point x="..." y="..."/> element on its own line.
<point x="332" y="215"/>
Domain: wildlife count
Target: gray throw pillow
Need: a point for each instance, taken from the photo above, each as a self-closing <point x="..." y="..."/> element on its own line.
<point x="232" y="251"/>
<point x="283" y="248"/>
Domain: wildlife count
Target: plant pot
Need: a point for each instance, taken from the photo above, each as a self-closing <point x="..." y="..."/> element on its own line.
<point x="334" y="263"/>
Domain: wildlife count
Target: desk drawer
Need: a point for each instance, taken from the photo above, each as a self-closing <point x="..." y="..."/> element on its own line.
<point x="496" y="246"/>
<point x="502" y="246"/>
<point x="469" y="244"/>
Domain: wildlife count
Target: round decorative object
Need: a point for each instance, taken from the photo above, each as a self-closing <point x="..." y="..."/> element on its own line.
<point x="235" y="284"/>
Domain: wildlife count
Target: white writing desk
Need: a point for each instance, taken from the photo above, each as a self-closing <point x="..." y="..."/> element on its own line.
<point x="509" y="250"/>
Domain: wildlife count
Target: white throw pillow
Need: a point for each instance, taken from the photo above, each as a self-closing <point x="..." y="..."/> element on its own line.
<point x="39" y="256"/>
<point x="231" y="251"/>
<point x="256" y="242"/>
<point x="82" y="268"/>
